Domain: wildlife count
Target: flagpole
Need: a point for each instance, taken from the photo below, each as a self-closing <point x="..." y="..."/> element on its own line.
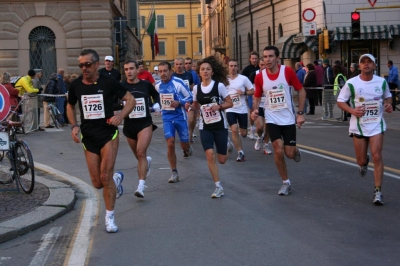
<point x="148" y="21"/>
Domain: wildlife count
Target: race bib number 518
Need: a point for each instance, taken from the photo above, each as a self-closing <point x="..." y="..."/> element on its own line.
<point x="93" y="106"/>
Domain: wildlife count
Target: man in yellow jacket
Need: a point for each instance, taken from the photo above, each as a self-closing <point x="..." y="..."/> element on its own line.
<point x="24" y="84"/>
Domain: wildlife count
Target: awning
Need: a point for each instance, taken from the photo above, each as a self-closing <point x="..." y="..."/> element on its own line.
<point x="380" y="32"/>
<point x="288" y="49"/>
<point x="310" y="41"/>
<point x="395" y="29"/>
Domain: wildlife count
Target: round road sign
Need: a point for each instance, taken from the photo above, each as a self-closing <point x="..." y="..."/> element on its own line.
<point x="4" y="102"/>
<point x="309" y="14"/>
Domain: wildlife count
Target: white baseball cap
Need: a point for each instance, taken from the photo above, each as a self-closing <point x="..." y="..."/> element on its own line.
<point x="109" y="58"/>
<point x="370" y="56"/>
<point x="156" y="68"/>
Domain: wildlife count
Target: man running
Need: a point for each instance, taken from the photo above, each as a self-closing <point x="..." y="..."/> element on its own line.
<point x="275" y="82"/>
<point x="173" y="95"/>
<point x="99" y="128"/>
<point x="138" y="126"/>
<point x="369" y="97"/>
<point x="239" y="86"/>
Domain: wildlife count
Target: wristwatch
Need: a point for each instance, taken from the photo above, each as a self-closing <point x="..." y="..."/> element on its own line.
<point x="300" y="112"/>
<point x="74" y="126"/>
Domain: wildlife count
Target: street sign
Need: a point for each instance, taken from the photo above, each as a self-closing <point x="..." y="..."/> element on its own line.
<point x="4" y="102"/>
<point x="309" y="14"/>
<point x="310" y="28"/>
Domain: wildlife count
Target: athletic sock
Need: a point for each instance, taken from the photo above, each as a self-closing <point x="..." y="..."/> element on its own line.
<point x="377" y="188"/>
<point x="286" y="182"/>
<point x="141" y="182"/>
<point x="109" y="213"/>
<point x="218" y="184"/>
<point x="175" y="170"/>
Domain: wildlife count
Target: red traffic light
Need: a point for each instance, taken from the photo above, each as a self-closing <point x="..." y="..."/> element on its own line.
<point x="355" y="16"/>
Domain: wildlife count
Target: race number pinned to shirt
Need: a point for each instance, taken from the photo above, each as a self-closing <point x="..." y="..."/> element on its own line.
<point x="166" y="100"/>
<point x="371" y="112"/>
<point x="276" y="99"/>
<point x="139" y="111"/>
<point x="210" y="116"/>
<point x="93" y="106"/>
<point x="235" y="99"/>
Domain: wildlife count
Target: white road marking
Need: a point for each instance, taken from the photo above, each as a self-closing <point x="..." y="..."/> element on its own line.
<point x="345" y="162"/>
<point x="4" y="259"/>
<point x="81" y="243"/>
<point x="45" y="248"/>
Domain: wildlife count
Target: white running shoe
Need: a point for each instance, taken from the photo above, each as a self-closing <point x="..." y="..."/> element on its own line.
<point x="194" y="135"/>
<point x="257" y="145"/>
<point x="111" y="227"/>
<point x="219" y="192"/>
<point x="252" y="132"/>
<point x="148" y="166"/>
<point x="267" y="150"/>
<point x="174" y="178"/>
<point x="140" y="191"/>
<point x="230" y="146"/>
<point x="118" y="178"/>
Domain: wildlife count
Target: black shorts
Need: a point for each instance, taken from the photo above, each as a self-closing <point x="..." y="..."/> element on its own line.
<point x="354" y="135"/>
<point x="95" y="136"/>
<point x="131" y="130"/>
<point x="234" y="118"/>
<point x="219" y="137"/>
<point x="287" y="133"/>
<point x="261" y="111"/>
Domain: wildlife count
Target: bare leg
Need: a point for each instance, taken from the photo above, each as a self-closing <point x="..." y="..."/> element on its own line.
<point x="139" y="148"/>
<point x="279" y="159"/>
<point x="171" y="152"/>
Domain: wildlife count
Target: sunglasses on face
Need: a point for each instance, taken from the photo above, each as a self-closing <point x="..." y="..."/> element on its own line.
<point x="87" y="64"/>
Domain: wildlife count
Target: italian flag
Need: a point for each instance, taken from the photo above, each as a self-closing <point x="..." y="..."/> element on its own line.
<point x="152" y="31"/>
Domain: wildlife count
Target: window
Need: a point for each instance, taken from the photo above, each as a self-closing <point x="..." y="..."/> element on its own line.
<point x="200" y="47"/>
<point x="143" y="22"/>
<point x="181" y="21"/>
<point x="160" y="21"/>
<point x="182" y="47"/>
<point x="269" y="36"/>
<point x="280" y="31"/>
<point x="198" y="20"/>
<point x="161" y="47"/>
<point x="257" y="42"/>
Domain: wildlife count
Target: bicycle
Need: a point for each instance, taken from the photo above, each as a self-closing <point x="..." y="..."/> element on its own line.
<point x="54" y="114"/>
<point x="16" y="162"/>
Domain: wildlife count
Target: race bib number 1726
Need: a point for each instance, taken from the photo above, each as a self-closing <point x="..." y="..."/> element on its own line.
<point x="93" y="106"/>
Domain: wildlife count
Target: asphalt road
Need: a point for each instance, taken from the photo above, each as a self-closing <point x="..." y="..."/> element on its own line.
<point x="328" y="219"/>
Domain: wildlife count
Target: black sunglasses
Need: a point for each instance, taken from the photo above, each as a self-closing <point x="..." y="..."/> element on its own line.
<point x="87" y="64"/>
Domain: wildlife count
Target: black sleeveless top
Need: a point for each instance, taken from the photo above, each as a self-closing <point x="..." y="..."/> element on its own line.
<point x="207" y="98"/>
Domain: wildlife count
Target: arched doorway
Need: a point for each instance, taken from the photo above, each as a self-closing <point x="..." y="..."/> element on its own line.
<point x="42" y="51"/>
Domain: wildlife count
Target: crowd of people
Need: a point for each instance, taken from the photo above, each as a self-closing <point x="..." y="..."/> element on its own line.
<point x="214" y="92"/>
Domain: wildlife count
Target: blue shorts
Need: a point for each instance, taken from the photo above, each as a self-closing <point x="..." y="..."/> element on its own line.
<point x="234" y="118"/>
<point x="219" y="137"/>
<point x="179" y="125"/>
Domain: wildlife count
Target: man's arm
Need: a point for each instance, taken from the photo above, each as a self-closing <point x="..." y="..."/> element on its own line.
<point x="28" y="86"/>
<point x="71" y="114"/>
<point x="130" y="103"/>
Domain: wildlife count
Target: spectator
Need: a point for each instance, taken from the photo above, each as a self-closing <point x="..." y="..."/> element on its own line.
<point x="343" y="69"/>
<point x="340" y="80"/>
<point x="393" y="80"/>
<point x="25" y="85"/>
<point x="319" y="73"/>
<point x="52" y="87"/>
<point x="67" y="81"/>
<point x="328" y="98"/>
<point x="156" y="76"/>
<point x="300" y="73"/>
<point x="354" y="71"/>
<point x="37" y="84"/>
<point x="109" y="70"/>
<point x="310" y="84"/>
<point x="60" y="101"/>
<point x="144" y="74"/>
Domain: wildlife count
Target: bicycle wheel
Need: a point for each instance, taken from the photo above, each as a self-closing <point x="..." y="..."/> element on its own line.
<point x="53" y="117"/>
<point x="6" y="169"/>
<point x="397" y="99"/>
<point x="25" y="167"/>
<point x="27" y="122"/>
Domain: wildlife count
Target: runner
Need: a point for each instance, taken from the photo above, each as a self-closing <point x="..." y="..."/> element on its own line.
<point x="174" y="94"/>
<point x="213" y="127"/>
<point x="369" y="97"/>
<point x="99" y="127"/>
<point x="275" y="82"/>
<point x="239" y="86"/>
<point x="138" y="126"/>
<point x="261" y="126"/>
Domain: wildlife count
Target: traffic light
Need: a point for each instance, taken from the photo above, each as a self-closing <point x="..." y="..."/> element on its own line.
<point x="355" y="25"/>
<point x="321" y="43"/>
<point x="326" y="39"/>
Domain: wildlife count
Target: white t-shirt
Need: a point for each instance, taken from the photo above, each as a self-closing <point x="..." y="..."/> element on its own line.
<point x="370" y="94"/>
<point x="239" y="101"/>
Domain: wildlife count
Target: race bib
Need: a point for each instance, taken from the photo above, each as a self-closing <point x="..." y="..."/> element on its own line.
<point x="236" y="99"/>
<point x="276" y="99"/>
<point x="140" y="109"/>
<point x="210" y="116"/>
<point x="93" y="106"/>
<point x="166" y="100"/>
<point x="371" y="112"/>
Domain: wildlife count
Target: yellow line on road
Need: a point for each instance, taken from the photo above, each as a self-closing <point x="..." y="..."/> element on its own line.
<point x="343" y="157"/>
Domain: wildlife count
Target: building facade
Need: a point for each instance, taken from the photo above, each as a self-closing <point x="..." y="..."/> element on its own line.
<point x="256" y="24"/>
<point x="49" y="35"/>
<point x="178" y="30"/>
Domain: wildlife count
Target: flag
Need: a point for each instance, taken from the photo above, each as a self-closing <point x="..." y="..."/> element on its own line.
<point x="152" y="31"/>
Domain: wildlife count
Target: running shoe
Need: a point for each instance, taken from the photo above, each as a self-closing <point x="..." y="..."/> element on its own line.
<point x="194" y="135"/>
<point x="148" y="165"/>
<point x="257" y="145"/>
<point x="219" y="192"/>
<point x="140" y="191"/>
<point x="297" y="157"/>
<point x="285" y="189"/>
<point x="240" y="157"/>
<point x="378" y="198"/>
<point x="111" y="227"/>
<point x="118" y="178"/>
<point x="267" y="150"/>
<point x="174" y="178"/>
<point x="363" y="169"/>
<point x="188" y="153"/>
<point x="230" y="145"/>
